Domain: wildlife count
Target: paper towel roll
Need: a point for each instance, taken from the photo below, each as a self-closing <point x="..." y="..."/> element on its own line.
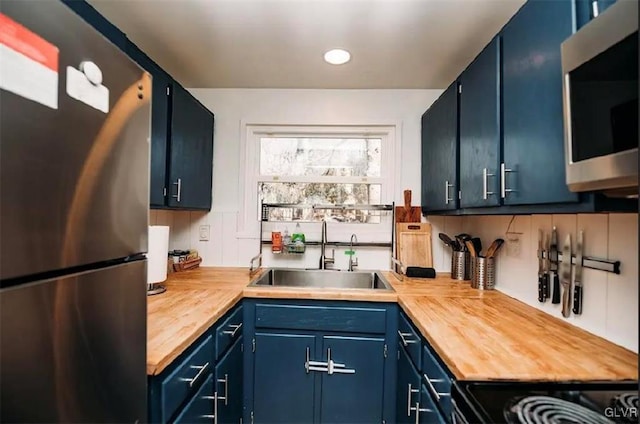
<point x="158" y="253"/>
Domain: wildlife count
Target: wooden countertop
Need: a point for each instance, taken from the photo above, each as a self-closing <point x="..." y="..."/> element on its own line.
<point x="483" y="335"/>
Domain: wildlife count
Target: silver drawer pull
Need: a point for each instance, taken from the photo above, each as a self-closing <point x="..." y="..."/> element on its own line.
<point x="233" y="332"/>
<point x="202" y="368"/>
<point x="224" y="380"/>
<point x="409" y="391"/>
<point x="432" y="388"/>
<point x="179" y="191"/>
<point x="405" y="342"/>
<point x="419" y="410"/>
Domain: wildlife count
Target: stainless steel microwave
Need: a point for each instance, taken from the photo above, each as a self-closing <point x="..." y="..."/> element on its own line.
<point x="600" y="98"/>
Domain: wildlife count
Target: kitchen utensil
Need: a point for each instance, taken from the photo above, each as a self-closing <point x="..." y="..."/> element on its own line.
<point x="547" y="282"/>
<point x="566" y="276"/>
<point x="413" y="244"/>
<point x="477" y="245"/>
<point x="553" y="252"/>
<point x="447" y="240"/>
<point x="494" y="247"/>
<point x="541" y="275"/>
<point x="461" y="239"/>
<point x="577" y="278"/>
<point x="472" y="249"/>
<point x="408" y="213"/>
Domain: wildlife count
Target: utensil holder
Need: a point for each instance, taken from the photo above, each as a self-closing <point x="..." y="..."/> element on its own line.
<point x="483" y="275"/>
<point x="460" y="265"/>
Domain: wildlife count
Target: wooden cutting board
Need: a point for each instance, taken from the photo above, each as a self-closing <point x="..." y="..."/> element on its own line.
<point x="408" y="213"/>
<point x="413" y="244"/>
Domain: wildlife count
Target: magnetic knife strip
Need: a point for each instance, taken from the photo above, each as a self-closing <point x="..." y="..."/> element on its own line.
<point x="588" y="262"/>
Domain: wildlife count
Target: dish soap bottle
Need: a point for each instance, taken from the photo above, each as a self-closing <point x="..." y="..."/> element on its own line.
<point x="286" y="240"/>
<point x="298" y="239"/>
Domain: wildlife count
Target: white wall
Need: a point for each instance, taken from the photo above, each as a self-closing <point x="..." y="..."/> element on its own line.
<point x="610" y="302"/>
<point x="235" y="107"/>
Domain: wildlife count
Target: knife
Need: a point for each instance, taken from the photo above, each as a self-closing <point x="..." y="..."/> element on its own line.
<point x="553" y="258"/>
<point x="577" y="278"/>
<point x="566" y="276"/>
<point x="547" y="265"/>
<point x="541" y="274"/>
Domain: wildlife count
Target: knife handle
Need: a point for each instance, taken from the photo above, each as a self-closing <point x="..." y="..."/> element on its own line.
<point x="577" y="300"/>
<point x="545" y="286"/>
<point x="541" y="292"/>
<point x="556" y="289"/>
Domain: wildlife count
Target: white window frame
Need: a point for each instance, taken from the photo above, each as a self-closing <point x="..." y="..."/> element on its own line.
<point x="248" y="224"/>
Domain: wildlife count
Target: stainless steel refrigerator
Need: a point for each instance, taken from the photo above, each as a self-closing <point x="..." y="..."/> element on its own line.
<point x="74" y="183"/>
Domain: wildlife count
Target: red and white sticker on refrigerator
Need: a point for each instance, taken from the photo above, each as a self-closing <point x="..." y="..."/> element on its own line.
<point x="28" y="63"/>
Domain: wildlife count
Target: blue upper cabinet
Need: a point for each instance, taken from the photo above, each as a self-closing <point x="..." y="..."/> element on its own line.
<point x="440" y="153"/>
<point x="480" y="129"/>
<point x="533" y="169"/>
<point x="586" y="10"/>
<point x="159" y="124"/>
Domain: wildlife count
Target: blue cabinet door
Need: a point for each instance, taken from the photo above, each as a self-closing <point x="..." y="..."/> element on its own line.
<point x="353" y="393"/>
<point x="480" y="129"/>
<point x="533" y="153"/>
<point x="408" y="391"/>
<point x="228" y="385"/>
<point x="191" y="152"/>
<point x="440" y="153"/>
<point x="283" y="391"/>
<point x="159" y="125"/>
<point x="586" y="10"/>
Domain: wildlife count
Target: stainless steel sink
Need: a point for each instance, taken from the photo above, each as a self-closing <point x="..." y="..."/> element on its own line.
<point x="284" y="277"/>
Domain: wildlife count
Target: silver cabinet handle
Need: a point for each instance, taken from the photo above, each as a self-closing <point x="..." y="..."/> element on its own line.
<point x="485" y="183"/>
<point x="213" y="417"/>
<point x="503" y="181"/>
<point x="456" y="416"/>
<point x="179" y="184"/>
<point x="310" y="365"/>
<point x="233" y="332"/>
<point x="447" y="199"/>
<point x="409" y="391"/>
<point x="224" y="380"/>
<point x="202" y="368"/>
<point x="419" y="410"/>
<point x="335" y="368"/>
<point x="405" y="342"/>
<point x="594" y="8"/>
<point x="432" y="388"/>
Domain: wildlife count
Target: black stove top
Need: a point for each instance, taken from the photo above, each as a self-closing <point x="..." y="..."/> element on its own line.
<point x="515" y="402"/>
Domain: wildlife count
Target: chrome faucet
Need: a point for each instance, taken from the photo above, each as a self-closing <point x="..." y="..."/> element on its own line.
<point x="352" y="263"/>
<point x="323" y="242"/>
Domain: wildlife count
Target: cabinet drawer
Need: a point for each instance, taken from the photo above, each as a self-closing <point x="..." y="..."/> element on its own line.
<point x="437" y="380"/>
<point x="186" y="377"/>
<point x="322" y="318"/>
<point x="200" y="408"/>
<point x="410" y="340"/>
<point x="228" y="331"/>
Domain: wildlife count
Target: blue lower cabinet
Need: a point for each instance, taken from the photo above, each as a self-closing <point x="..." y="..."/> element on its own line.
<point x="283" y="388"/>
<point x="228" y="386"/>
<point x="309" y="367"/>
<point x="408" y="390"/>
<point x="200" y="408"/>
<point x="352" y="389"/>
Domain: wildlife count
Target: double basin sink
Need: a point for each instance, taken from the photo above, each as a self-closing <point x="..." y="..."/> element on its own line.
<point x="283" y="277"/>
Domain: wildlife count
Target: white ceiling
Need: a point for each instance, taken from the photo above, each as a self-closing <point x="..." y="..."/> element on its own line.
<point x="280" y="43"/>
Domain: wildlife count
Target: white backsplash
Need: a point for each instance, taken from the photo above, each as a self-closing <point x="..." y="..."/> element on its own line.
<point x="610" y="301"/>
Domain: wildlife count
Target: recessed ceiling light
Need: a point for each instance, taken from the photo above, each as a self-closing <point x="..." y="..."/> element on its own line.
<point x="337" y="56"/>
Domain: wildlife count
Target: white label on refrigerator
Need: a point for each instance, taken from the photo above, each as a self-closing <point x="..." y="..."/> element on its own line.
<point x="80" y="88"/>
<point x="28" y="63"/>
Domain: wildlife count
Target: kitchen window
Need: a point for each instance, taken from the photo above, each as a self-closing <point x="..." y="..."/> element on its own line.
<point x="316" y="165"/>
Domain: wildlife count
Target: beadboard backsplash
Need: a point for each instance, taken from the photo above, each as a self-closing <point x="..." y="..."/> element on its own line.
<point x="610" y="301"/>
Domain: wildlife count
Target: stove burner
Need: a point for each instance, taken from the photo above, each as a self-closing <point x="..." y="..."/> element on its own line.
<point x="625" y="407"/>
<point x="547" y="409"/>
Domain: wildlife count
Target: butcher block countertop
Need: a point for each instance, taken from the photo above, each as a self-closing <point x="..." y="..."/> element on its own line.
<point x="480" y="335"/>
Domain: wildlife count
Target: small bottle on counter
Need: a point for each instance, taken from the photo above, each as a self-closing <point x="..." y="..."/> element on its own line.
<point x="276" y="242"/>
